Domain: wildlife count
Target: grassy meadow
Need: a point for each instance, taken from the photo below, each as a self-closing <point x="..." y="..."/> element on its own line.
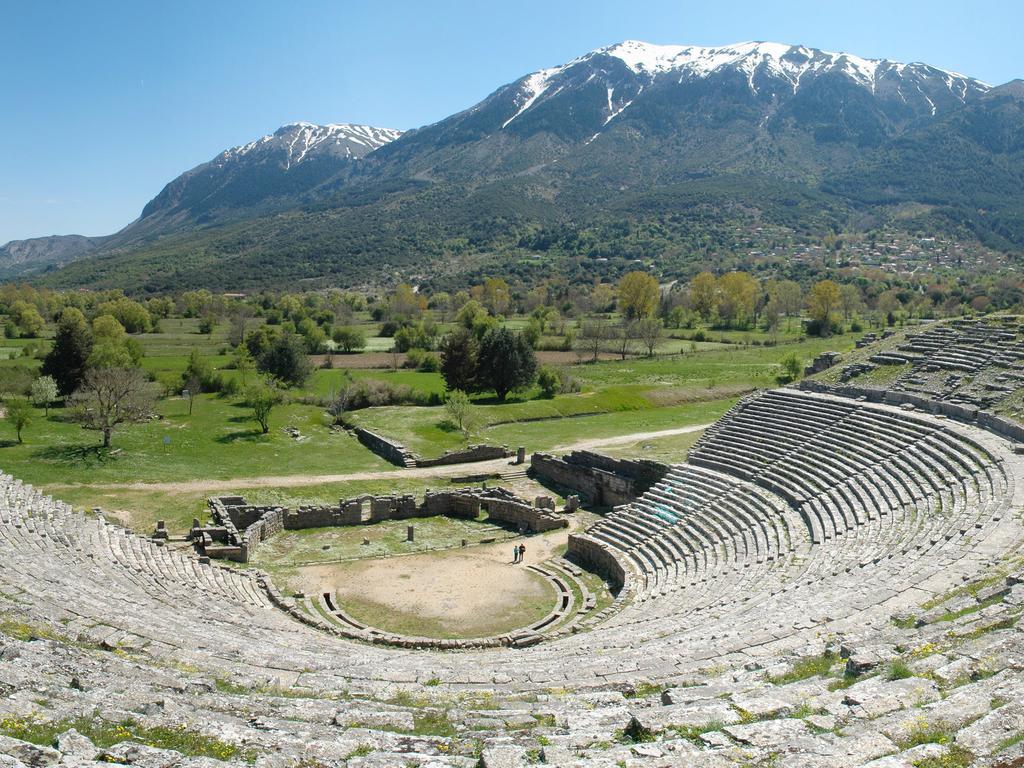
<point x="165" y="468"/>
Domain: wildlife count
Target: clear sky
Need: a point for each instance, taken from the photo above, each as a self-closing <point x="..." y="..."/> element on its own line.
<point x="104" y="101"/>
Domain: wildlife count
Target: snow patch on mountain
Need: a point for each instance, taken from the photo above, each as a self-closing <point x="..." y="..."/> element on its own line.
<point x="301" y="140"/>
<point x="793" y="64"/>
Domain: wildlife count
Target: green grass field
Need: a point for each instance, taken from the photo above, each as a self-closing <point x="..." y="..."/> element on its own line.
<point x="689" y="383"/>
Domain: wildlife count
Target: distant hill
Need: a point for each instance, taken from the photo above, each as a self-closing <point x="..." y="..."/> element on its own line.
<point x="634" y="149"/>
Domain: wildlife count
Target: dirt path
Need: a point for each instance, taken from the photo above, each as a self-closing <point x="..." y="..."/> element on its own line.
<point x="292" y="481"/>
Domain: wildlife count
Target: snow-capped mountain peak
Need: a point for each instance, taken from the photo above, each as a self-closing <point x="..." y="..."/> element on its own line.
<point x="300" y="140"/>
<point x="775" y="68"/>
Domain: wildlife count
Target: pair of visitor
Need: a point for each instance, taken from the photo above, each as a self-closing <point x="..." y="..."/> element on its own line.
<point x="518" y="553"/>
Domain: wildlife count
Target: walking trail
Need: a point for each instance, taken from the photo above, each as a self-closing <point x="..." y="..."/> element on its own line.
<point x="454" y="470"/>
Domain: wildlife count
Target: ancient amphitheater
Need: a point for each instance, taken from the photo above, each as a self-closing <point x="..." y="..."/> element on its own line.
<point x="833" y="578"/>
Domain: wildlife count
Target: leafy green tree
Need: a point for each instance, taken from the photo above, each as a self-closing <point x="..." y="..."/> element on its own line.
<point x="460" y="411"/>
<point x="19" y="413"/>
<point x="44" y="391"/>
<point x="72" y="345"/>
<point x="349" y="339"/>
<point x="286" y="360"/>
<point x="314" y="335"/>
<point x="458" y="360"/>
<point x="133" y="316"/>
<point x="505" y="362"/>
<point x="27" y="319"/>
<point x="111" y="347"/>
<point x="792" y="368"/>
<point x="469" y="313"/>
<point x="261" y="399"/>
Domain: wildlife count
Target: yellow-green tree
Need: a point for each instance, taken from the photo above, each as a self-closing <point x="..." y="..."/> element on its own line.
<point x="822" y="303"/>
<point x="638" y="295"/>
<point x="704" y="295"/>
<point x="737" y="298"/>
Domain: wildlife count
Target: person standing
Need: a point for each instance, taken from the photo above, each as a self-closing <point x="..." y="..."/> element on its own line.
<point x="515" y="554"/>
<point x="522" y="552"/>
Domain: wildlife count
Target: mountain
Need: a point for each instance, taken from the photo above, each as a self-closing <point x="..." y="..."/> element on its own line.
<point x="276" y="171"/>
<point x="286" y="167"/>
<point x="630" y="151"/>
<point x="758" y="107"/>
<point x="22" y="257"/>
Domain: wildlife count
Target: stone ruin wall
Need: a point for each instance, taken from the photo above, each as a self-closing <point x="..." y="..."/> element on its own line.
<point x="523" y="515"/>
<point x="604" y="480"/>
<point x="398" y="454"/>
<point x="595" y="557"/>
<point x="467" y="456"/>
<point x="238" y="528"/>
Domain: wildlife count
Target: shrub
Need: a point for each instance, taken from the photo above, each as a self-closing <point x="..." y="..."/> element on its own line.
<point x="370" y="393"/>
<point x="422" y="360"/>
<point x="547" y="380"/>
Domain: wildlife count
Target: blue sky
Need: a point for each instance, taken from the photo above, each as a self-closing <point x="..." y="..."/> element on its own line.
<point x="103" y="102"/>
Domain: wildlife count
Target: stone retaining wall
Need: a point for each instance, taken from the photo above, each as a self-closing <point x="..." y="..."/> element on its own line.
<point x="467" y="456"/>
<point x="604" y="480"/>
<point x="396" y="453"/>
<point x="596" y="557"/>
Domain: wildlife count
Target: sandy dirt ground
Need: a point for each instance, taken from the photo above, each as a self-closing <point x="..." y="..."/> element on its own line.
<point x="468" y="592"/>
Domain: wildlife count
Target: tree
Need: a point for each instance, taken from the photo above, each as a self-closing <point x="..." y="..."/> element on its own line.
<point x="850" y="301"/>
<point x="638" y="295"/>
<point x="704" y="295"/>
<point x="650" y="331"/>
<point x="261" y="399"/>
<point x="27" y="319"/>
<point x="792" y="367"/>
<point x="405" y="302"/>
<point x="496" y="295"/>
<point x="349" y="339"/>
<point x="133" y="316"/>
<point x="624" y="337"/>
<point x="602" y="297"/>
<point x="460" y="411"/>
<point x="505" y="362"/>
<point x="72" y="345"/>
<point x="193" y="386"/>
<point x="822" y="304"/>
<point x="286" y="360"/>
<point x="200" y="370"/>
<point x="111" y="347"/>
<point x="243" y="362"/>
<point x="788" y="297"/>
<point x="44" y="392"/>
<point x="238" y="325"/>
<point x="458" y="360"/>
<point x="110" y="397"/>
<point x="470" y="313"/>
<point x="19" y="413"/>
<point x="737" y="297"/>
<point x="594" y="334"/>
